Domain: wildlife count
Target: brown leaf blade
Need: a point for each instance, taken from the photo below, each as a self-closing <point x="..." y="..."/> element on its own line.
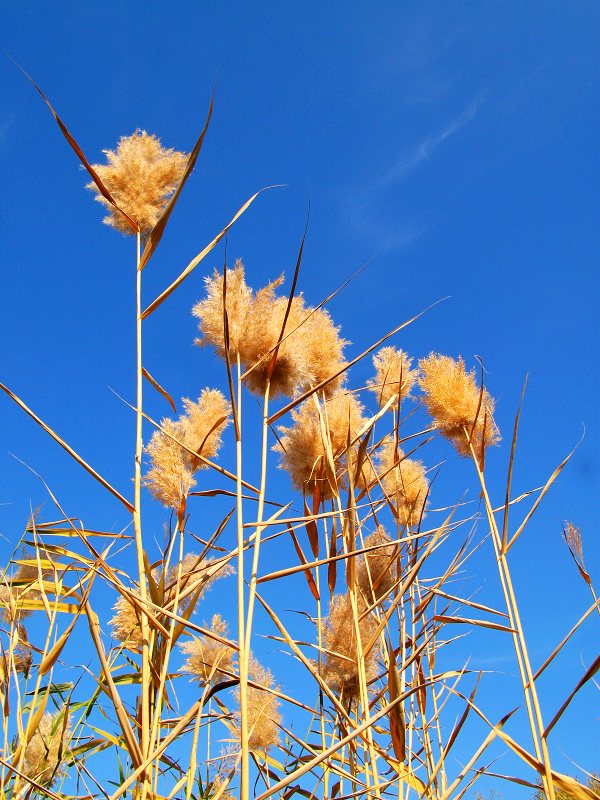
<point x="396" y="717"/>
<point x="158" y="230"/>
<point x="153" y="382"/>
<point x="79" y="152"/>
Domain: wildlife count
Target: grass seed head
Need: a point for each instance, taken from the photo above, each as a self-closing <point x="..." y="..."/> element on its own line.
<point x="404" y="482"/>
<point x="340" y="668"/>
<point x="310" y="349"/>
<point x="376" y="573"/>
<point x="303" y="446"/>
<point x="264" y="717"/>
<point x="199" y="429"/>
<point x="47" y="750"/>
<point x="208" y="660"/>
<point x="140" y="175"/>
<point x="456" y="403"/>
<point x="393" y="375"/>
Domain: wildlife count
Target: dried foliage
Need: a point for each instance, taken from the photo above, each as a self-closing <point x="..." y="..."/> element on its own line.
<point x="383" y="714"/>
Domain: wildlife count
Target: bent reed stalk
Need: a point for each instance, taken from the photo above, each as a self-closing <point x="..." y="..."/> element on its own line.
<point x="371" y="694"/>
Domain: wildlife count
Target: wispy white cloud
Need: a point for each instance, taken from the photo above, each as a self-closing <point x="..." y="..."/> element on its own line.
<point x="415" y="156"/>
<point x="368" y="212"/>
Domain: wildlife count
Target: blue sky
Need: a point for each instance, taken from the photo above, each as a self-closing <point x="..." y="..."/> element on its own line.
<point x="453" y="147"/>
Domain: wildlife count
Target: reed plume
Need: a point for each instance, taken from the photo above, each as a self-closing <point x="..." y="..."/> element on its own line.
<point x="460" y="409"/>
<point x="393" y="375"/>
<point x="315" y="429"/>
<point x="376" y="573"/>
<point x="404" y="482"/>
<point x="46" y="752"/>
<point x="209" y="660"/>
<point x="174" y="451"/>
<point x="309" y="348"/>
<point x="340" y="668"/>
<point x="140" y="175"/>
<point x="264" y="716"/>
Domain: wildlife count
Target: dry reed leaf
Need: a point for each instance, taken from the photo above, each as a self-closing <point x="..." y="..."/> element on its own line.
<point x="307" y="573"/>
<point x="201" y="255"/>
<point x="158" y="230"/>
<point x="588" y="675"/>
<point x="159" y="389"/>
<point x="69" y="449"/>
<point x="79" y="152"/>
<point x="396" y="716"/>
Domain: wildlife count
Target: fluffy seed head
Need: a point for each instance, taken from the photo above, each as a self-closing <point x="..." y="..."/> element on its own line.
<point x="340" y="667"/>
<point x="404" y="482"/>
<point x="209" y="660"/>
<point x="393" y="375"/>
<point x="303" y="446"/>
<point x="309" y="351"/>
<point x="264" y="717"/>
<point x="210" y="311"/>
<point x="24" y="585"/>
<point x="185" y="581"/>
<point x="46" y="751"/>
<point x="140" y="175"/>
<point x="456" y="403"/>
<point x="376" y="573"/>
<point x="126" y="623"/>
<point x="170" y="477"/>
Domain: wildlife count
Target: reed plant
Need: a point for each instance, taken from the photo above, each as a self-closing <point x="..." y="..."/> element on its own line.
<point x="173" y="702"/>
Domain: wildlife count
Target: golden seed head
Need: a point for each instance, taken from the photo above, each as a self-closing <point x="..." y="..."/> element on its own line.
<point x="199" y="429"/>
<point x="47" y="750"/>
<point x="404" y="483"/>
<point x="140" y="175"/>
<point x="317" y="430"/>
<point x="126" y="623"/>
<point x="393" y="375"/>
<point x="377" y="572"/>
<point x="340" y="667"/>
<point x="264" y="717"/>
<point x="310" y="349"/>
<point x="209" y="660"/>
<point x="457" y="405"/>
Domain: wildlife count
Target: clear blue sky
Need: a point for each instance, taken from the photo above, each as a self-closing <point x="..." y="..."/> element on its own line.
<point x="451" y="145"/>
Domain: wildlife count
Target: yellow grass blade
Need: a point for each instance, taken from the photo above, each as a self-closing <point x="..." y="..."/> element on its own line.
<point x="195" y="261"/>
<point x="66" y="447"/>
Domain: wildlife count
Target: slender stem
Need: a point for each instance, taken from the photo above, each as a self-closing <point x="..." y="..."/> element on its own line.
<point x="242" y="657"/>
<point x="259" y="519"/>
<point x="137" y="520"/>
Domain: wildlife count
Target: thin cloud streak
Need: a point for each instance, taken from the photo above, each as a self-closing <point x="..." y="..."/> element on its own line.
<point x="414" y="157"/>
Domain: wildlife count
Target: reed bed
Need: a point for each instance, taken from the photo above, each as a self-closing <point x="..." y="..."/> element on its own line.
<point x="175" y="699"/>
